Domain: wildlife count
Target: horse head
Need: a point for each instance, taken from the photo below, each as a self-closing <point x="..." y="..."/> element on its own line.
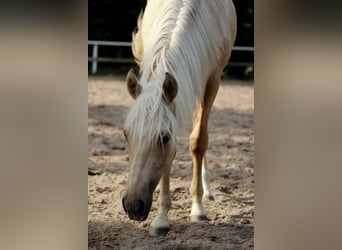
<point x="150" y="132"/>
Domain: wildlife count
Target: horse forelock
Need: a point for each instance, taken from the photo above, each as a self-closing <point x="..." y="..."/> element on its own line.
<point x="149" y="117"/>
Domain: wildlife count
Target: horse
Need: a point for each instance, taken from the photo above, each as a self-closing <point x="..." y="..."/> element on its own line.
<point x="181" y="47"/>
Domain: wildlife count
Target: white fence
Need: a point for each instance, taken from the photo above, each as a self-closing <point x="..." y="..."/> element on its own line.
<point x="96" y="44"/>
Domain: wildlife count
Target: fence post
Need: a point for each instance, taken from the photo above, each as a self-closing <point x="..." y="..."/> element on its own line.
<point x="94" y="64"/>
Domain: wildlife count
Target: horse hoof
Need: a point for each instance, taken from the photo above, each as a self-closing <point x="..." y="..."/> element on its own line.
<point x="159" y="231"/>
<point x="196" y="218"/>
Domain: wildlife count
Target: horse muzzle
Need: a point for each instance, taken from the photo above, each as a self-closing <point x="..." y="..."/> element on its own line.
<point x="136" y="209"/>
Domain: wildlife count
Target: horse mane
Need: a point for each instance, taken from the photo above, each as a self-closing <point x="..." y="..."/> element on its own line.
<point x="184" y="38"/>
<point x="137" y="42"/>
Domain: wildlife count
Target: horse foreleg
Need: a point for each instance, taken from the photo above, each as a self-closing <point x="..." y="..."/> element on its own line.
<point x="160" y="225"/>
<point x="207" y="194"/>
<point x="198" y="146"/>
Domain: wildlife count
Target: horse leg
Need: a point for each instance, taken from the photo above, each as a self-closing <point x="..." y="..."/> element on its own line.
<point x="207" y="194"/>
<point x="160" y="224"/>
<point x="198" y="146"/>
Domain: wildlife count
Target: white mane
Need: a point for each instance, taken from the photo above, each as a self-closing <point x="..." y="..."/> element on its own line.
<point x="184" y="38"/>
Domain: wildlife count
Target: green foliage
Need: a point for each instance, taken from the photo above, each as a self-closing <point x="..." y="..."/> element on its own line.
<point x="94" y="172"/>
<point x="249" y="72"/>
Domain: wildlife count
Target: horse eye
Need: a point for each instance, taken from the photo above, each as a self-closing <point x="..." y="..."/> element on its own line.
<point x="165" y="138"/>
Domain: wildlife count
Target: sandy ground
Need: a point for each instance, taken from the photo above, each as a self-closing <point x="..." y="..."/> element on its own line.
<point x="230" y="157"/>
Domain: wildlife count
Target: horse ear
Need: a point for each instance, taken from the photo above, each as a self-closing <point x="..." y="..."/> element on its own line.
<point x="170" y="88"/>
<point x="133" y="86"/>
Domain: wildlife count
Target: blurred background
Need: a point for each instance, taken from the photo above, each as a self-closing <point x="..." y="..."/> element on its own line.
<point x="113" y="21"/>
<point x="44" y="117"/>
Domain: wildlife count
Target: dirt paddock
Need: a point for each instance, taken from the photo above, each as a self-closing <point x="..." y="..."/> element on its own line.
<point x="230" y="159"/>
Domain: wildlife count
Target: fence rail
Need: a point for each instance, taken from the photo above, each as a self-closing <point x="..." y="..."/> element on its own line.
<point x="96" y="44"/>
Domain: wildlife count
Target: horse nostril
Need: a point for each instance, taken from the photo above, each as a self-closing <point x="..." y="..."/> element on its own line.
<point x="135" y="209"/>
<point x="139" y="206"/>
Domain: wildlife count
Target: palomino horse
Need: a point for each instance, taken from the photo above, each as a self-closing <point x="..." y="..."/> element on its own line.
<point x="181" y="47"/>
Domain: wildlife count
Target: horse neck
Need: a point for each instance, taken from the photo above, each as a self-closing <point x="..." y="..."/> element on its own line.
<point x="183" y="47"/>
